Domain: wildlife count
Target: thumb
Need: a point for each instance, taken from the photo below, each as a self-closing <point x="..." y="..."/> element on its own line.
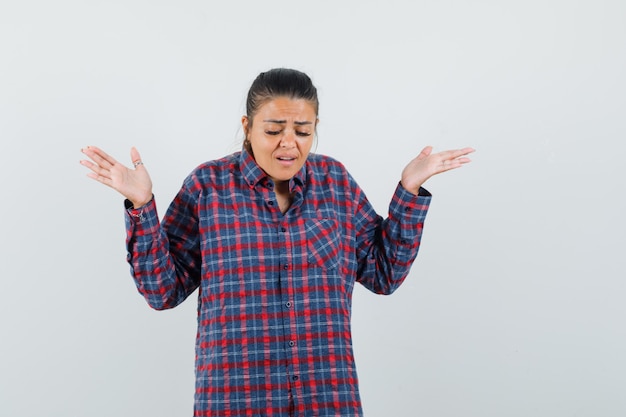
<point x="425" y="152"/>
<point x="134" y="155"/>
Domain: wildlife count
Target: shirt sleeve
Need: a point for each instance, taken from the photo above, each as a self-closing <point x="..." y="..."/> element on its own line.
<point x="164" y="256"/>
<point x="387" y="248"/>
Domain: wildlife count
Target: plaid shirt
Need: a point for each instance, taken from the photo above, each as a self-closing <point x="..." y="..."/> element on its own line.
<point x="275" y="290"/>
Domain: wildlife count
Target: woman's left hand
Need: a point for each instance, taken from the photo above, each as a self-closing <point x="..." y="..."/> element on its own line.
<point x="427" y="164"/>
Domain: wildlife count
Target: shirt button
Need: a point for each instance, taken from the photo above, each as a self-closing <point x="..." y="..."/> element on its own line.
<point x="292" y="343"/>
<point x="271" y="203"/>
<point x="282" y="229"/>
<point x="295" y="377"/>
<point x="288" y="304"/>
<point x="286" y="266"/>
<point x="407" y="209"/>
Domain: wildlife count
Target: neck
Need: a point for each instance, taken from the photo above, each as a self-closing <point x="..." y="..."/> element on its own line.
<point x="284" y="198"/>
<point x="281" y="187"/>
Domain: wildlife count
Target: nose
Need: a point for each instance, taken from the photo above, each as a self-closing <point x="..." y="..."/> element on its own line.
<point x="288" y="140"/>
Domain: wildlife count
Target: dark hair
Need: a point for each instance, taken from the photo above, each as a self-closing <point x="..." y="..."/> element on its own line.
<point x="280" y="82"/>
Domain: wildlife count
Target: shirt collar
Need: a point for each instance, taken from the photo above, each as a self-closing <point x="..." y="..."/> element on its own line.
<point x="253" y="174"/>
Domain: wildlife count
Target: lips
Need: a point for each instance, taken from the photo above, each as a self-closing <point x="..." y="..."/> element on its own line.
<point x="286" y="158"/>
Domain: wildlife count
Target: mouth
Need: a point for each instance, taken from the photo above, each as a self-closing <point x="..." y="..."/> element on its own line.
<point x="286" y="157"/>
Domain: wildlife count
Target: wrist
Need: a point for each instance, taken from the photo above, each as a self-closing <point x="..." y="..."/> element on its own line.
<point x="138" y="203"/>
<point x="412" y="188"/>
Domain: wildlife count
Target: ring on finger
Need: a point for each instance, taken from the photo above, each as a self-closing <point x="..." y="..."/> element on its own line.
<point x="136" y="163"/>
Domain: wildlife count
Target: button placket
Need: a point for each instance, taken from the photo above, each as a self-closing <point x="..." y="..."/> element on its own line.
<point x="291" y="344"/>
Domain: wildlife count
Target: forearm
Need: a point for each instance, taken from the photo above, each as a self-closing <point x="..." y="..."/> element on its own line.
<point x="390" y="246"/>
<point x="154" y="266"/>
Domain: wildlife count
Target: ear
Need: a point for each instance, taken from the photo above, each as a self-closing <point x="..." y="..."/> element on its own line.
<point x="244" y="125"/>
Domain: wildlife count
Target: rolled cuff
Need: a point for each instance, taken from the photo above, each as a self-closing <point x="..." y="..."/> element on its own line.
<point x="144" y="218"/>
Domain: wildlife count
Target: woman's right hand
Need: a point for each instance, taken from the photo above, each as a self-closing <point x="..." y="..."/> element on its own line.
<point x="134" y="184"/>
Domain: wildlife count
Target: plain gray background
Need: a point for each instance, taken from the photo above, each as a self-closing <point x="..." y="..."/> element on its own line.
<point x="516" y="304"/>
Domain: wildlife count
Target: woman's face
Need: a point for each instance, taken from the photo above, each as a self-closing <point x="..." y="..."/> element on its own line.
<point x="281" y="135"/>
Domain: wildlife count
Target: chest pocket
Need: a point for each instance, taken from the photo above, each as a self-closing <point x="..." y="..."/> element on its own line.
<point x="323" y="243"/>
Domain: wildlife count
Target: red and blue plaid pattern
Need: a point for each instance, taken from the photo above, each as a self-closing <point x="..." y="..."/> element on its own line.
<point x="275" y="290"/>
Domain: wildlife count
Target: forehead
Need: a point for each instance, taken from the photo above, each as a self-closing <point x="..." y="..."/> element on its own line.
<point x="287" y="109"/>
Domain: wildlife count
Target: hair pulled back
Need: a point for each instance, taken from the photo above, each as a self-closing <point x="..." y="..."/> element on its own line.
<point x="280" y="82"/>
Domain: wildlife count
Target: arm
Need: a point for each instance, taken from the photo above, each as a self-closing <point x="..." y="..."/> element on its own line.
<point x="387" y="248"/>
<point x="164" y="258"/>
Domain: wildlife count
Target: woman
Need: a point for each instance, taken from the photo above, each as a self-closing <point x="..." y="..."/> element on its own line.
<point x="274" y="238"/>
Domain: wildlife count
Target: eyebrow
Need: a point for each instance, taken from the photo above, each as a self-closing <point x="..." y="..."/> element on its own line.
<point x="284" y="121"/>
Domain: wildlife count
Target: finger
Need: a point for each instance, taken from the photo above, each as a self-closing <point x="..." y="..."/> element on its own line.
<point x="454" y="155"/>
<point x="90" y="165"/>
<point x="97" y="173"/>
<point x="448" y="155"/>
<point x="100" y="178"/>
<point x="100" y="157"/>
<point x="134" y="156"/>
<point x="461" y="152"/>
<point x="448" y="165"/>
<point x="425" y="153"/>
<point x="464" y="160"/>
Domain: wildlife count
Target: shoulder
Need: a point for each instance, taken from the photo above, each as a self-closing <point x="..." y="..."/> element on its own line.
<point x="326" y="171"/>
<point x="226" y="163"/>
<point x="319" y="163"/>
<point x="213" y="172"/>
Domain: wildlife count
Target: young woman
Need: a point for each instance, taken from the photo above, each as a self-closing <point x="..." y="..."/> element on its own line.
<point x="274" y="237"/>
